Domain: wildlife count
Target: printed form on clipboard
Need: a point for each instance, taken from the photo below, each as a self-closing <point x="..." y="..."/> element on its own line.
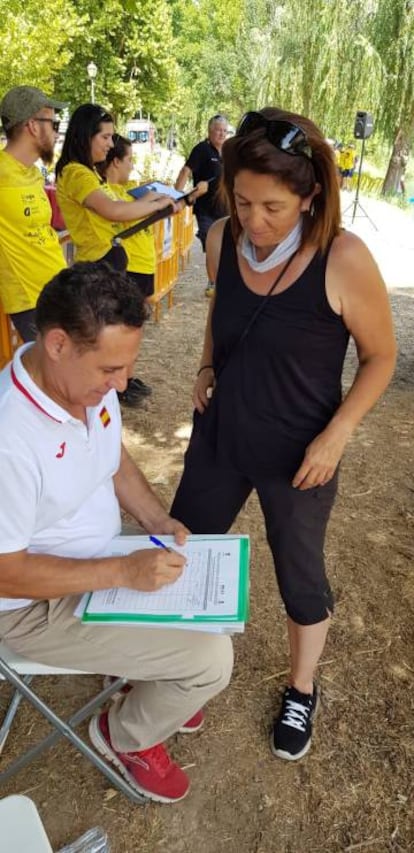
<point x="211" y="595"/>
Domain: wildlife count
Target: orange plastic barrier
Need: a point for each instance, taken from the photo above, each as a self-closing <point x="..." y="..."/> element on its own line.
<point x="166" y="272"/>
<point x="9" y="339"/>
<point x="173" y="239"/>
<point x="185" y="234"/>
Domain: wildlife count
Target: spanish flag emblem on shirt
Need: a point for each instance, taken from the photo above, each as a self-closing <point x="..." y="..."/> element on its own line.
<point x="104" y="416"/>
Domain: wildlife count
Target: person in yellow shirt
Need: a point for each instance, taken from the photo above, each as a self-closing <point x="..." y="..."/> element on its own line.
<point x="140" y="248"/>
<point x="347" y="165"/>
<point x="30" y="254"/>
<point x="93" y="212"/>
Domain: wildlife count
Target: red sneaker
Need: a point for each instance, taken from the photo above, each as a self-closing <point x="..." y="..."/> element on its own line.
<point x="150" y="771"/>
<point x="192" y="725"/>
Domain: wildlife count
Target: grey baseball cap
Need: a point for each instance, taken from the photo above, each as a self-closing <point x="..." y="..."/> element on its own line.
<point x="22" y="102"/>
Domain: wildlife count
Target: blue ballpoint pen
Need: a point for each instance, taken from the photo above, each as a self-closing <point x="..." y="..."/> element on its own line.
<point x="158" y="543"/>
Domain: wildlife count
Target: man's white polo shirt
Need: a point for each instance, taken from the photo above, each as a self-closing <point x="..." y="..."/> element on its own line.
<point x="57" y="494"/>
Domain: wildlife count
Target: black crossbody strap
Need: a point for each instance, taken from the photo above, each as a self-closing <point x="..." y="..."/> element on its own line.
<point x="143" y="223"/>
<point x="256" y="313"/>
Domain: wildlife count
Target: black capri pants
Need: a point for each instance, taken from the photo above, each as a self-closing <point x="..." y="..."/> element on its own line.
<point x="210" y="496"/>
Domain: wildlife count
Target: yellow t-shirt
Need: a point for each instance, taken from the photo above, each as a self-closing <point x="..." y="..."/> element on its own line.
<point x="30" y="254"/>
<point x="346" y="160"/>
<point x="91" y="233"/>
<point x="140" y="248"/>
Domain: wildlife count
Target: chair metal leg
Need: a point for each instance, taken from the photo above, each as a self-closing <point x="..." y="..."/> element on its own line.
<point x="11" y="713"/>
<point x="64" y="728"/>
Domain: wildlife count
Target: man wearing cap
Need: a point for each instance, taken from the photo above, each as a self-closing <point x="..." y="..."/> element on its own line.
<point x="30" y="254"/>
<point x="204" y="163"/>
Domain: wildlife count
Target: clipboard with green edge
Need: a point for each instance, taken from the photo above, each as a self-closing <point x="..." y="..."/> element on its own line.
<point x="240" y="616"/>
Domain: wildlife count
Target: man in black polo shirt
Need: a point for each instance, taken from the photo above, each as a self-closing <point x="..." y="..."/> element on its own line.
<point x="204" y="164"/>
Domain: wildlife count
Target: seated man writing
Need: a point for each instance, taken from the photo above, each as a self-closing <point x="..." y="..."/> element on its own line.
<point x="64" y="477"/>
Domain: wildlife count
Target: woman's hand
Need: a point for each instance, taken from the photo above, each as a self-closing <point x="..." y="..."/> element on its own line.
<point x="173" y="527"/>
<point x="321" y="458"/>
<point x="159" y="200"/>
<point x="203" y="389"/>
<point x="199" y="190"/>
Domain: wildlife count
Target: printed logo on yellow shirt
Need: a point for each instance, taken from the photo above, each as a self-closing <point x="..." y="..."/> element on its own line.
<point x="30" y="254"/>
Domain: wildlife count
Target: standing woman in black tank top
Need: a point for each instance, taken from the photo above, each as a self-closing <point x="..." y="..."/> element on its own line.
<point x="269" y="412"/>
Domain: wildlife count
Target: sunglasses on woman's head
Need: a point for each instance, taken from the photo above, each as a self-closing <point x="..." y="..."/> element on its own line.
<point x="105" y="117"/>
<point x="284" y="135"/>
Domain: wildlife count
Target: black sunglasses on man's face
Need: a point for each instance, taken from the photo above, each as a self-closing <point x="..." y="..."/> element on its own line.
<point x="54" y="122"/>
<point x="284" y="135"/>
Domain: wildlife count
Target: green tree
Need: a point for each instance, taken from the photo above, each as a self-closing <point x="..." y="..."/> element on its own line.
<point x="184" y="60"/>
<point x="131" y="43"/>
<point x="214" y="71"/>
<point x="393" y="36"/>
<point x="36" y="45"/>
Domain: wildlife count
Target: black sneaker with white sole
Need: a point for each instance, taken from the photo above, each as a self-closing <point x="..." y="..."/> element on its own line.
<point x="132" y="401"/>
<point x="138" y="387"/>
<point x="292" y="730"/>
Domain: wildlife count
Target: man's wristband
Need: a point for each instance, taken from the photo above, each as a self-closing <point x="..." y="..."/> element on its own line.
<point x="205" y="367"/>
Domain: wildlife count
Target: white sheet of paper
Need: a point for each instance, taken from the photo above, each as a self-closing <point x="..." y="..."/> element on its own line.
<point x="208" y="585"/>
<point x="206" y="627"/>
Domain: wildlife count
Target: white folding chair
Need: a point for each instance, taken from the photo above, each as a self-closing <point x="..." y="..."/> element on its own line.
<point x="12" y="666"/>
<point x="21" y="827"/>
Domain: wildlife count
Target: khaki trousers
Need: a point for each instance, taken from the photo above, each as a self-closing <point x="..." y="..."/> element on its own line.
<point x="175" y="671"/>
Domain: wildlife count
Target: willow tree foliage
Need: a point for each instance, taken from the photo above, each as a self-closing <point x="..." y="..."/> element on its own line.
<point x="313" y="57"/>
<point x="392" y="32"/>
<point x="324" y="58"/>
<point x="316" y="59"/>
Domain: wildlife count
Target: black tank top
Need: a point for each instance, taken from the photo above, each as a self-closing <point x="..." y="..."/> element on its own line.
<point x="281" y="386"/>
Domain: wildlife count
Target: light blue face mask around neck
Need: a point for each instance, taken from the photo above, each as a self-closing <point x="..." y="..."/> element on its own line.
<point x="280" y="253"/>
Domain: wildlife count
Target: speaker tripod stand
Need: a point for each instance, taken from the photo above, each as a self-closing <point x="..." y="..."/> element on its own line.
<point x="355" y="204"/>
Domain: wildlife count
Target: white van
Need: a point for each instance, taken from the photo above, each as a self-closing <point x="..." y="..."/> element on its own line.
<point x="142" y="134"/>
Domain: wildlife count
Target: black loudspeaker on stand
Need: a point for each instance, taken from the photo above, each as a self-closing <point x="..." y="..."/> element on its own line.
<point x="364" y="126"/>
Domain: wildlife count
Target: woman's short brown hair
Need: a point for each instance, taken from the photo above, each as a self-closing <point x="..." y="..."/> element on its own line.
<point x="255" y="153"/>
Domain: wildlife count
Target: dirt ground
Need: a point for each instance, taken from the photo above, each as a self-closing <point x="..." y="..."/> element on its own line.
<point x="354" y="790"/>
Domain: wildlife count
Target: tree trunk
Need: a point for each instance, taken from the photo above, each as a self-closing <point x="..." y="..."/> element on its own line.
<point x="397" y="163"/>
